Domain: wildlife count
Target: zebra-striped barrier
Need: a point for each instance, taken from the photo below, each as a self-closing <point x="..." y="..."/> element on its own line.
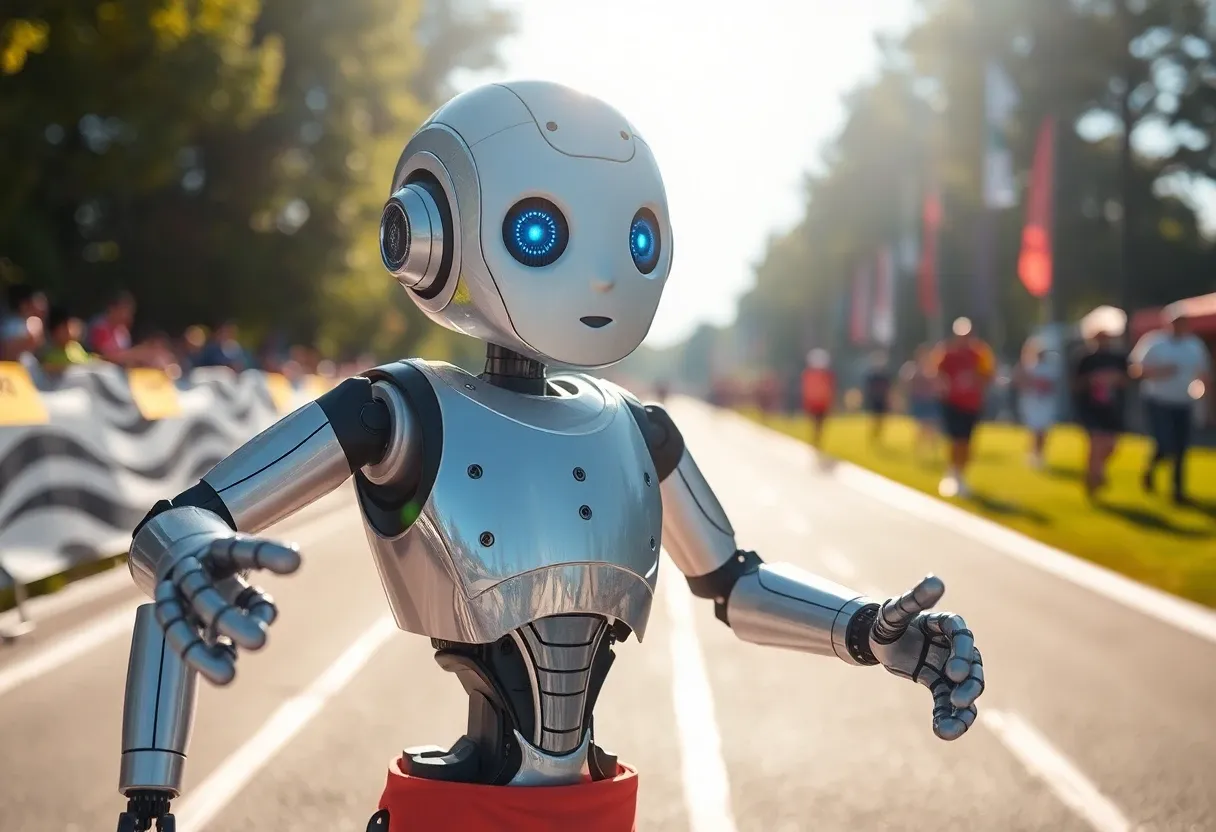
<point x="82" y="460"/>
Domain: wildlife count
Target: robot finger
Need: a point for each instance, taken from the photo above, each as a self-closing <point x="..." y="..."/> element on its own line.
<point x="970" y="689"/>
<point x="955" y="725"/>
<point x="962" y="643"/>
<point x="224" y="619"/>
<point x="214" y="662"/>
<point x="897" y="613"/>
<point x="239" y="553"/>
<point x="257" y="603"/>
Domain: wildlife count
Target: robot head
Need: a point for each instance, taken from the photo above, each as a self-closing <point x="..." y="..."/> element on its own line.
<point x="533" y="217"/>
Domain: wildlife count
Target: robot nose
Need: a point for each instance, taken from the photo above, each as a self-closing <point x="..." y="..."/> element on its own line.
<point x="602" y="284"/>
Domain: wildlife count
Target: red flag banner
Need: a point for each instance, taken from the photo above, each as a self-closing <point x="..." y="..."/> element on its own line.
<point x="883" y="319"/>
<point x="859" y="324"/>
<point x="932" y="220"/>
<point x="1035" y="260"/>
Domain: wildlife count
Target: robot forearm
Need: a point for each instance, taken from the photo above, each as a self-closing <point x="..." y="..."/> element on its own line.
<point x="775" y="604"/>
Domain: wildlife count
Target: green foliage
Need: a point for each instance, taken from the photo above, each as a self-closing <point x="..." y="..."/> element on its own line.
<point x="221" y="158"/>
<point x="1099" y="65"/>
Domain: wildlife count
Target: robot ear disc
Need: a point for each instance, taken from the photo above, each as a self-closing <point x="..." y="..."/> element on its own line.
<point x="413" y="237"/>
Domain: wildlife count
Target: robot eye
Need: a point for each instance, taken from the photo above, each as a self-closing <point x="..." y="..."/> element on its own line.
<point x="644" y="242"/>
<point x="535" y="232"/>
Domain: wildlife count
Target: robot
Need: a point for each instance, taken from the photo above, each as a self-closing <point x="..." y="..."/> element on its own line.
<point x="533" y="218"/>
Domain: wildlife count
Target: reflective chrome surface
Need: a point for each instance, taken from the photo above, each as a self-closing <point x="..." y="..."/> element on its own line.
<point x="158" y="712"/>
<point x="696" y="532"/>
<point x="783" y="606"/>
<point x="527" y="537"/>
<point x="281" y="470"/>
<point x="424" y="228"/>
<point x="167" y="538"/>
<point x="559" y="653"/>
<point x="404" y="451"/>
<point x="541" y="769"/>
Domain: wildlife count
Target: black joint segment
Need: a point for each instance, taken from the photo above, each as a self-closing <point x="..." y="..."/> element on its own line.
<point x="600" y="764"/>
<point x="160" y="508"/>
<point x="721" y="581"/>
<point x="379" y="822"/>
<point x="665" y="441"/>
<point x="857" y="634"/>
<point x="360" y="421"/>
<point x="204" y="496"/>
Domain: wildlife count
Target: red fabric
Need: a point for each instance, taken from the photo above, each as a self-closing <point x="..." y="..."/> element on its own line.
<point x="966" y="369"/>
<point x="418" y="805"/>
<point x="932" y="215"/>
<point x="1034" y="262"/>
<point x="106" y="338"/>
<point x="818" y="390"/>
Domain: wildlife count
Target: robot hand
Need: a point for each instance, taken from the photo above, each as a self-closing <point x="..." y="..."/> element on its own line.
<point x="206" y="608"/>
<point x="935" y="649"/>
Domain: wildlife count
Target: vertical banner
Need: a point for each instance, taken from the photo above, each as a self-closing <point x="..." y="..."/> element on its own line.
<point x="931" y="217"/>
<point x="1035" y="259"/>
<point x="883" y="319"/>
<point x="1000" y="101"/>
<point x="909" y="232"/>
<point x="859" y="321"/>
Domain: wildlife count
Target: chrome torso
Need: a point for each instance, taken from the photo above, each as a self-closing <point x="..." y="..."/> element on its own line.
<point x="541" y="506"/>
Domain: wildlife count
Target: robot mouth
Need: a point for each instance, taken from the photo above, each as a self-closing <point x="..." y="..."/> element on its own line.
<point x="596" y="321"/>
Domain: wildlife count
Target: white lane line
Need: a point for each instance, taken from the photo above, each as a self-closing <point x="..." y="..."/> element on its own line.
<point x="706" y="786"/>
<point x="1154" y="603"/>
<point x="120" y="620"/>
<point x="1072" y="787"/>
<point x="205" y="801"/>
<point x="70" y="647"/>
<point x="838" y="564"/>
<point x="797" y="525"/>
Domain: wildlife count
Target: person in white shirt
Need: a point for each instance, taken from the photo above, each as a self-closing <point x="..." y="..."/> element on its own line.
<point x="1038" y="379"/>
<point x="1174" y="367"/>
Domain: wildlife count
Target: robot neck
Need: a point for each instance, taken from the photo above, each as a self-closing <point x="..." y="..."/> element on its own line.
<point x="514" y="372"/>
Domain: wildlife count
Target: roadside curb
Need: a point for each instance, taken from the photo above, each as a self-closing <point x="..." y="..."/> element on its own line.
<point x="1189" y="616"/>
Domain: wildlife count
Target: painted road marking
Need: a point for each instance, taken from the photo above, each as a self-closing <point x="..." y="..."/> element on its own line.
<point x="1043" y="761"/>
<point x="120" y="620"/>
<point x="706" y="786"/>
<point x="206" y="801"/>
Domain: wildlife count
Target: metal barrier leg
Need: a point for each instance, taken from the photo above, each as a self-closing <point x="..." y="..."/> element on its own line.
<point x="23" y="625"/>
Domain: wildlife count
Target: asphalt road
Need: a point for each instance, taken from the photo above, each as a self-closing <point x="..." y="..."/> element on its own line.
<point x="1096" y="716"/>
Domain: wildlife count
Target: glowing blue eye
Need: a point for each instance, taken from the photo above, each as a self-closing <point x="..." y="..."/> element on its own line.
<point x="644" y="243"/>
<point x="535" y="232"/>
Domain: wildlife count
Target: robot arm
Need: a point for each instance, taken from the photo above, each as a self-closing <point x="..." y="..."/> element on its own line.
<point x="782" y="606"/>
<point x="189" y="554"/>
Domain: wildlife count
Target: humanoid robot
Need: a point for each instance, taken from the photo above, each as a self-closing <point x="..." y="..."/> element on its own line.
<point x="532" y="218"/>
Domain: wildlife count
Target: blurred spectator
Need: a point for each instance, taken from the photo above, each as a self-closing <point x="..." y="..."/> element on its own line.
<point x="63" y="348"/>
<point x="923" y="406"/>
<point x="1098" y="383"/>
<point x="156" y="351"/>
<point x="1174" y="367"/>
<point x="109" y="334"/>
<point x="22" y="330"/>
<point x="818" y="391"/>
<point x="224" y="350"/>
<point x="1039" y="378"/>
<point x="876" y="387"/>
<point x="963" y="367"/>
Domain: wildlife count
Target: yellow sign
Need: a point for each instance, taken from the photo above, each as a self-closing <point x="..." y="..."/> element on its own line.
<point x="154" y="393"/>
<point x="280" y="391"/>
<point x="20" y="403"/>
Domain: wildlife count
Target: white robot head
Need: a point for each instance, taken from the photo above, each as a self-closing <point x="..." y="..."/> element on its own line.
<point x="532" y="217"/>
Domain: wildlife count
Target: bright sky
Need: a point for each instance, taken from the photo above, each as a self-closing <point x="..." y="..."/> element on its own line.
<point x="734" y="99"/>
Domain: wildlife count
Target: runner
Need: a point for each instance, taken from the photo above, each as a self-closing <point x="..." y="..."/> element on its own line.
<point x="921" y="392"/>
<point x="1098" y="384"/>
<point x="876" y="390"/>
<point x="964" y="367"/>
<point x="818" y="392"/>
<point x="1038" y="382"/>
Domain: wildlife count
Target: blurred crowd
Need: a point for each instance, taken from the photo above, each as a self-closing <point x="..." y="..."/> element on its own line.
<point x="49" y="337"/>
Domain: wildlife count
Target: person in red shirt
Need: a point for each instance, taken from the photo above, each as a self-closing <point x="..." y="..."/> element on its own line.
<point x="110" y="334"/>
<point x="818" y="392"/>
<point x="963" y="367"/>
